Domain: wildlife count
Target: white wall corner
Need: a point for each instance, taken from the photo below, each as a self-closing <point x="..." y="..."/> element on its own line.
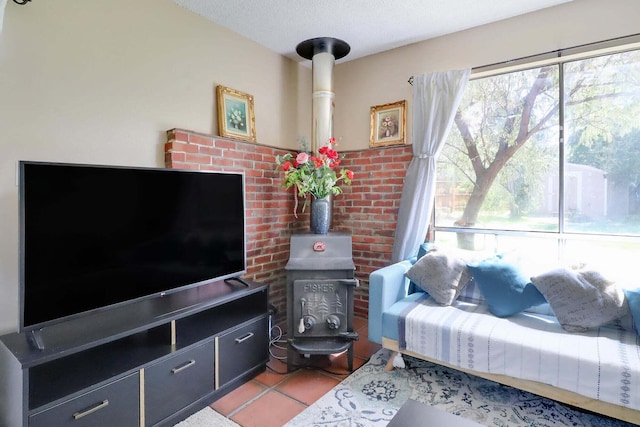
<point x="3" y="3"/>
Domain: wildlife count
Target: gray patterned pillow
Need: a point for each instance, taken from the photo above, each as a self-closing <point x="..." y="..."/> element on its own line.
<point x="581" y="299"/>
<point x="441" y="274"/>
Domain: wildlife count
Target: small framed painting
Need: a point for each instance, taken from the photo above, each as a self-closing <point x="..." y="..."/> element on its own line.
<point x="235" y="114"/>
<point x="388" y="124"/>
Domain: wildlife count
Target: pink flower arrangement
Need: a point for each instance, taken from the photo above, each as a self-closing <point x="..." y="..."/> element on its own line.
<point x="316" y="175"/>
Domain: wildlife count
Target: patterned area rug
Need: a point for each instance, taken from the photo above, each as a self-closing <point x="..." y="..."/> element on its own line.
<point x="371" y="397"/>
<point x="207" y="417"/>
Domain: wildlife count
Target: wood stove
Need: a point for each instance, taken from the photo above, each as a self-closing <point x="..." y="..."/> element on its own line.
<point x="320" y="285"/>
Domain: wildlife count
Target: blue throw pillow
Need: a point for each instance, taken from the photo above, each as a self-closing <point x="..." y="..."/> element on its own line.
<point x="506" y="288"/>
<point x="424" y="248"/>
<point x="633" y="299"/>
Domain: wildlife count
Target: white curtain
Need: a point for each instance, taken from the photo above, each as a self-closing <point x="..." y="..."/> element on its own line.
<point x="436" y="97"/>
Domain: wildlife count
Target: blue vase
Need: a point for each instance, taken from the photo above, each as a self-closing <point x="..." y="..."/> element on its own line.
<point x="320" y="215"/>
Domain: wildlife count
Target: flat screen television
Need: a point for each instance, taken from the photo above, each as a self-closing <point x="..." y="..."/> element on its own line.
<point x="93" y="237"/>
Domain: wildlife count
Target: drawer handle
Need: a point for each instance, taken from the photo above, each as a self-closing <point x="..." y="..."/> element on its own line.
<point x="99" y="406"/>
<point x="178" y="369"/>
<point x="244" y="338"/>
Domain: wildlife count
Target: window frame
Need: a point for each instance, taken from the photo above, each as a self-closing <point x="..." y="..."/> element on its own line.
<point x="558" y="58"/>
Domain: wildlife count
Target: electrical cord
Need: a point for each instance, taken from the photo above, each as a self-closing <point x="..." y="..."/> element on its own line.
<point x="275" y="340"/>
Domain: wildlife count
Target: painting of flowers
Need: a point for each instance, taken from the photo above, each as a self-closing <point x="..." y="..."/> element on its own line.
<point x="235" y="114"/>
<point x="388" y="124"/>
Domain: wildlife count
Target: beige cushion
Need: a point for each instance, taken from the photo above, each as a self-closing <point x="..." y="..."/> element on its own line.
<point x="441" y="274"/>
<point x="581" y="299"/>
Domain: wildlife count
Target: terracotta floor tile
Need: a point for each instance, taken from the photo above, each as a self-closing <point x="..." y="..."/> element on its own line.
<point x="365" y="348"/>
<point x="238" y="397"/>
<point x="307" y="385"/>
<point x="359" y="322"/>
<point x="340" y="365"/>
<point x="272" y="409"/>
<point x="270" y="378"/>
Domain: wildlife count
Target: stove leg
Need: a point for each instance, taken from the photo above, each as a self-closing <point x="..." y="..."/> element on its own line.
<point x="291" y="354"/>
<point x="350" y="357"/>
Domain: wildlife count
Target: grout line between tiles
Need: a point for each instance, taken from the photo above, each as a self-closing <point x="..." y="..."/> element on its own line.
<point x="259" y="395"/>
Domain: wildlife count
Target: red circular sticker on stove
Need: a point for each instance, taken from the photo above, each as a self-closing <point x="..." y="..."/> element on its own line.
<point x="319" y="246"/>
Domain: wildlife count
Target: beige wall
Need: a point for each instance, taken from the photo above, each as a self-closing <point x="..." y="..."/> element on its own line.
<point x="97" y="81"/>
<point x="382" y="78"/>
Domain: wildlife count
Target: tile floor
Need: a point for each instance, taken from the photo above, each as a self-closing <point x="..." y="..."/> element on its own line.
<point x="275" y="396"/>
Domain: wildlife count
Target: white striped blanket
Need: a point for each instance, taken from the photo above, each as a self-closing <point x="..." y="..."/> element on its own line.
<point x="603" y="363"/>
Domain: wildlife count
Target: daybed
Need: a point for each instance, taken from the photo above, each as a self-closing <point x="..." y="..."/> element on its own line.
<point x="482" y="324"/>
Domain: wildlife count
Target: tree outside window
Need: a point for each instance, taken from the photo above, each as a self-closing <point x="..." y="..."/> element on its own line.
<point x="505" y="168"/>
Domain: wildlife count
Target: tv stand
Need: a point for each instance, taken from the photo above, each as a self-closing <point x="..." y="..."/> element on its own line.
<point x="154" y="361"/>
<point x="237" y="279"/>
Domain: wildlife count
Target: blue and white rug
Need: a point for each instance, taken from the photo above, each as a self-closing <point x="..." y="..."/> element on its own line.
<point x="371" y="397"/>
<point x="207" y="417"/>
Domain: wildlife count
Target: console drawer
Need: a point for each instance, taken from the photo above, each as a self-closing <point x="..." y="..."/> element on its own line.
<point x="115" y="404"/>
<point x="242" y="349"/>
<point x="178" y="381"/>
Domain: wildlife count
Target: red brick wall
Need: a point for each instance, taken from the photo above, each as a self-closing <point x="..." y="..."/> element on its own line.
<point x="368" y="209"/>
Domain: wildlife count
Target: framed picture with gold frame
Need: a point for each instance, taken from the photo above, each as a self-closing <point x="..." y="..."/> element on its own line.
<point x="236" y="118"/>
<point x="388" y="124"/>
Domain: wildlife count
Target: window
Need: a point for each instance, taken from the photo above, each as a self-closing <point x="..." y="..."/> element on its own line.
<point x="509" y="177"/>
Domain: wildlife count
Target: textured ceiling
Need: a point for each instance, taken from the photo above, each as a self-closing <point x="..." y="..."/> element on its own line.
<point x="368" y="26"/>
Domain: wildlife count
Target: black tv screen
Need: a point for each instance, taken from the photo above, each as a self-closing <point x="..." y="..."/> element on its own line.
<point x="95" y="236"/>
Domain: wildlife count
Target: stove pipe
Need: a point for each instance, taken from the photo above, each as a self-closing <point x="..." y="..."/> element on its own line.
<point x="323" y="51"/>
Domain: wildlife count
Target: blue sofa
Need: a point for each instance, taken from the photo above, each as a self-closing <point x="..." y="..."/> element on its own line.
<point x="391" y="295"/>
